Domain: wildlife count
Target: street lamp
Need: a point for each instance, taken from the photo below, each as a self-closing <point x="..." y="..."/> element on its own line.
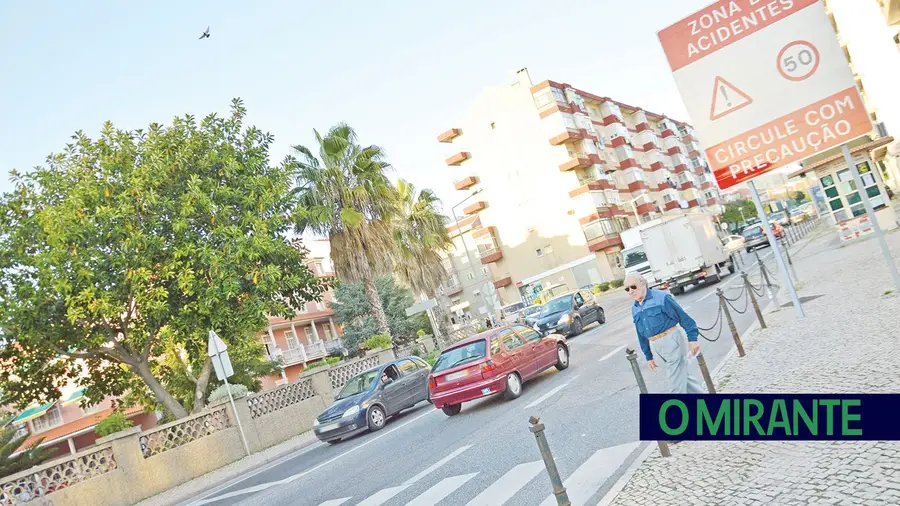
<point x="462" y="237"/>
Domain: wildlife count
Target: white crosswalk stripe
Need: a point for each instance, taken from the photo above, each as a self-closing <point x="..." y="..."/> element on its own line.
<point x="382" y="496"/>
<point x="546" y="396"/>
<point x="436" y="465"/>
<point x="441" y="490"/>
<point x="507" y="485"/>
<point x="593" y="473"/>
<point x="335" y="502"/>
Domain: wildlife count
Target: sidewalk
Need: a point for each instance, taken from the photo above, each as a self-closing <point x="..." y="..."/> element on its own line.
<point x="847" y="343"/>
<point x="196" y="487"/>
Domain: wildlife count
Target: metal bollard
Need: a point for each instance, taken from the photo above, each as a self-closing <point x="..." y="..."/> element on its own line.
<point x="787" y="253"/>
<point x="632" y="357"/>
<point x="768" y="282"/>
<point x="537" y="428"/>
<point x="749" y="287"/>
<point x="731" y="326"/>
<point x="705" y="372"/>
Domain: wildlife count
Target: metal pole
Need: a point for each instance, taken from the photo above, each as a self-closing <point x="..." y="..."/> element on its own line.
<point x="231" y="398"/>
<point x="787" y="253"/>
<point x="772" y="295"/>
<point x="705" y="372"/>
<point x="489" y="301"/>
<point x="537" y="428"/>
<point x="731" y="326"/>
<point x="632" y="358"/>
<point x="749" y="287"/>
<point x="785" y="276"/>
<point x="885" y="250"/>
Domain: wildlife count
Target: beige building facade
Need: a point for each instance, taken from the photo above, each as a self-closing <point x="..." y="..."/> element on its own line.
<point x="549" y="176"/>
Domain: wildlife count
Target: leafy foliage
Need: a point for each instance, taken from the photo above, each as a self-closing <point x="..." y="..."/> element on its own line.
<point x="616" y="283"/>
<point x="121" y="253"/>
<point x="420" y="236"/>
<point x="377" y="342"/>
<point x="353" y="311"/>
<point x="222" y="393"/>
<point x="733" y="211"/>
<point x="603" y="287"/>
<point x="10" y="444"/>
<point x="115" y="422"/>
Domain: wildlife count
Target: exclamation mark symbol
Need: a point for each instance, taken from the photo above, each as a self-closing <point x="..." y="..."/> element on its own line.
<point x="727" y="100"/>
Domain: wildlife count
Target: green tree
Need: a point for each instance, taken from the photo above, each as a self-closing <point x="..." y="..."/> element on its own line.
<point x="9" y="444"/>
<point x="739" y="211"/>
<point x="352" y="310"/>
<point x="800" y="197"/>
<point x="420" y="236"/>
<point x="115" y="422"/>
<point x="346" y="197"/>
<point x="123" y="248"/>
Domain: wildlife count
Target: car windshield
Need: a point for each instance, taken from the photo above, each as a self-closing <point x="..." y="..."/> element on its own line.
<point x="557" y="305"/>
<point x="751" y="233"/>
<point x="634" y="257"/>
<point x="533" y="310"/>
<point x="358" y="384"/>
<point x="460" y="355"/>
<point x="513" y="308"/>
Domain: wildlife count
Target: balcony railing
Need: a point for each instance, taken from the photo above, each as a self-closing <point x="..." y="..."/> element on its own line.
<point x="315" y="350"/>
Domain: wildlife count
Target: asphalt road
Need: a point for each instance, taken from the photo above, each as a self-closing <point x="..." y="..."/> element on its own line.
<point x="486" y="454"/>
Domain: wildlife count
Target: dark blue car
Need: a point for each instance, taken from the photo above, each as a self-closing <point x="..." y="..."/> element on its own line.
<point x="367" y="400"/>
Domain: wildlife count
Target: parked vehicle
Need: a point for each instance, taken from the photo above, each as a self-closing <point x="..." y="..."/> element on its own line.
<point x="733" y="243"/>
<point x="755" y="236"/>
<point x="511" y="312"/>
<point x="633" y="258"/>
<point x="368" y="399"/>
<point x="798" y="216"/>
<point x="568" y="314"/>
<point x="685" y="251"/>
<point x="530" y="314"/>
<point x="493" y="362"/>
<point x="780" y="217"/>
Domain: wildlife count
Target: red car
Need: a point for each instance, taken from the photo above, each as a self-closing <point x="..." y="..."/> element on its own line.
<point x="493" y="362"/>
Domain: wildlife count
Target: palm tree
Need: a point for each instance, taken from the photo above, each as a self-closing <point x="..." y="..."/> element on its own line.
<point x="420" y="236"/>
<point x="346" y="196"/>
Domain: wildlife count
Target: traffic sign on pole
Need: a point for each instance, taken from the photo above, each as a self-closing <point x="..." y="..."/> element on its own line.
<point x="765" y="83"/>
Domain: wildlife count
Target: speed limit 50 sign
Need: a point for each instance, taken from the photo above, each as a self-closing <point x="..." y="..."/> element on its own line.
<point x="765" y="83"/>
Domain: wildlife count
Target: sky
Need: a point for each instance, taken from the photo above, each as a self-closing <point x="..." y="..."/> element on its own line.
<point x="399" y="72"/>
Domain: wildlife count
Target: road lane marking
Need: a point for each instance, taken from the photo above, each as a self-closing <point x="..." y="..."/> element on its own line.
<point x="546" y="396"/>
<point x="508" y="485"/>
<point x="264" y="486"/>
<point x="436" y="465"/>
<point x="610" y="354"/>
<point x="593" y="473"/>
<point x="335" y="502"/>
<point x="439" y="491"/>
<point x="382" y="496"/>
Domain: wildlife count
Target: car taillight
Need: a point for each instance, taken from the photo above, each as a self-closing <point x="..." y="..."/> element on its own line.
<point x="488" y="367"/>
<point x="432" y="382"/>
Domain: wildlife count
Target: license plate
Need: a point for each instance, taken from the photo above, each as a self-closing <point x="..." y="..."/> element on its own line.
<point x="328" y="428"/>
<point x="485" y="391"/>
<point x="457" y="375"/>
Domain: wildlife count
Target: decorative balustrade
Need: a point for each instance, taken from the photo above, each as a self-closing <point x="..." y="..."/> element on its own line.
<point x="21" y="487"/>
<point x="280" y="398"/>
<point x="175" y="434"/>
<point x="339" y="375"/>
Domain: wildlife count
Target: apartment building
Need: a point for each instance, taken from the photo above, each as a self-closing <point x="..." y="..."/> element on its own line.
<point x="870" y="46"/>
<point x="555" y="174"/>
<point x="311" y="334"/>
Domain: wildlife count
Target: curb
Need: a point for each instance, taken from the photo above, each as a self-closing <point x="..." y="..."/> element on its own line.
<point x="190" y="497"/>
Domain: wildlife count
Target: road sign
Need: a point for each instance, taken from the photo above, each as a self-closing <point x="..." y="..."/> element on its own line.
<point x="218" y="352"/>
<point x="781" y="87"/>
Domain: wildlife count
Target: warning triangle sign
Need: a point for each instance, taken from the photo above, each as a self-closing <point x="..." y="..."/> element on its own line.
<point x="726" y="99"/>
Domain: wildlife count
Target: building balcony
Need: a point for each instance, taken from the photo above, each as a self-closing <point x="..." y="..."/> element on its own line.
<point x="701" y="170"/>
<point x="490" y="256"/>
<point x="671" y="205"/>
<point x="567" y="136"/>
<point x="706" y="185"/>
<point x="605" y="242"/>
<point x="453" y="289"/>
<point x="302" y="354"/>
<point x="466" y="182"/>
<point x="638" y="185"/>
<point x="458" y="158"/>
<point x="693" y="203"/>
<point x="711" y="202"/>
<point x="598" y="185"/>
<point x="580" y="160"/>
<point x="475" y="208"/>
<point x="646" y="208"/>
<point x="687" y="185"/>
<point x="628" y="163"/>
<point x="500" y="283"/>
<point x="449" y="135"/>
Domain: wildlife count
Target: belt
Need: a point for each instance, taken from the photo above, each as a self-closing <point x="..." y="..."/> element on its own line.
<point x="662" y="334"/>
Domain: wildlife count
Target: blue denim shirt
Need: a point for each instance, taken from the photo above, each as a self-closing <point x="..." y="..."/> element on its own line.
<point x="658" y="313"/>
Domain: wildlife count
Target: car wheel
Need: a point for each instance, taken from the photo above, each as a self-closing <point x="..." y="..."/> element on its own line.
<point x="562" y="357"/>
<point x="376" y="418"/>
<point x="601" y="316"/>
<point x="749" y="250"/>
<point x="452" y="409"/>
<point x="513" y="386"/>
<point x="731" y="268"/>
<point x="577" y="327"/>
<point x="334" y="441"/>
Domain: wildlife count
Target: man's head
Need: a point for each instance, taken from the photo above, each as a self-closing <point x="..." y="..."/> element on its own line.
<point x="636" y="286"/>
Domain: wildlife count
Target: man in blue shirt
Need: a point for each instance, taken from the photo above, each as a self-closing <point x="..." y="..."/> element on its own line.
<point x="657" y="318"/>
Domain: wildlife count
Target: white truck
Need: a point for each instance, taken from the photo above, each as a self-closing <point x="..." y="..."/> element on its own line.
<point x="633" y="258"/>
<point x="685" y="250"/>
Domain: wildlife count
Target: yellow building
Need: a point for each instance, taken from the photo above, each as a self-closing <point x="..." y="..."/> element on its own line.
<point x="551" y="175"/>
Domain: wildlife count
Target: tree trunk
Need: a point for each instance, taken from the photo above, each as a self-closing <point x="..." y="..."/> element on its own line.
<point x="377" y="309"/>
<point x="200" y="387"/>
<point x="159" y="391"/>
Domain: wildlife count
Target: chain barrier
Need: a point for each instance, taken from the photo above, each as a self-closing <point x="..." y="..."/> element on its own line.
<point x="736" y="310"/>
<point x="743" y="288"/>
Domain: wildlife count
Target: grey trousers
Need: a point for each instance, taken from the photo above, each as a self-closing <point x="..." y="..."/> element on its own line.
<point x="671" y="353"/>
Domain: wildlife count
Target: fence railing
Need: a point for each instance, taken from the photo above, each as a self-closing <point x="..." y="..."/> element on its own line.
<point x="23" y="487"/>
<point x="178" y="433"/>
<point x="340" y="374"/>
<point x="279" y="398"/>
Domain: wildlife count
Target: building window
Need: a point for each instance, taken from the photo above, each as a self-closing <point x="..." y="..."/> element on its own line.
<point x="291" y="339"/>
<point x="485" y="270"/>
<point x="476" y="293"/>
<point x="48" y="420"/>
<point x="470" y="276"/>
<point x="328" y="335"/>
<point x="599" y="228"/>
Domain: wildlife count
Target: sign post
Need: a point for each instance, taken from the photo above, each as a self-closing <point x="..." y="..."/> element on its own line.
<point x="766" y="84"/>
<point x="218" y="352"/>
<point x="861" y="189"/>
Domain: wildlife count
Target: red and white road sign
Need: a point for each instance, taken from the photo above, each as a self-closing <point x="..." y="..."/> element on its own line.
<point x="765" y="83"/>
